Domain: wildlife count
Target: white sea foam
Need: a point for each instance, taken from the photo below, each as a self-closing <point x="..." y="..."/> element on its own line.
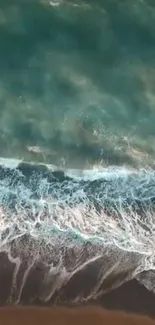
<point x="118" y="209"/>
<point x="102" y="215"/>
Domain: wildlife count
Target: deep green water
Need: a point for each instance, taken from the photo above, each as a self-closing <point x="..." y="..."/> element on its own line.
<point x="77" y="82"/>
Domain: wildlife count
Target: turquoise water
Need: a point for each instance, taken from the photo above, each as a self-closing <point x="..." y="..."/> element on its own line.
<point x="77" y="85"/>
<point x="77" y="82"/>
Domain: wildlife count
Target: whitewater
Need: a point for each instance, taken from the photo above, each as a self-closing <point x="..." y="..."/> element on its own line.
<point x="68" y="236"/>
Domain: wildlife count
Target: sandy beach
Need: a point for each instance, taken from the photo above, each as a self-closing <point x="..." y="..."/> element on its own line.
<point x="66" y="316"/>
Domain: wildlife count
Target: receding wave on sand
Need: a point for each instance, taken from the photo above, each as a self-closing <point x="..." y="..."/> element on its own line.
<point x="71" y="237"/>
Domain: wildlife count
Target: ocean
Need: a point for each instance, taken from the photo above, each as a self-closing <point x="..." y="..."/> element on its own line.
<point x="77" y="141"/>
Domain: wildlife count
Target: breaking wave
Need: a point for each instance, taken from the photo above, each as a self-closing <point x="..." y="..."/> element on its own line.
<point x="74" y="234"/>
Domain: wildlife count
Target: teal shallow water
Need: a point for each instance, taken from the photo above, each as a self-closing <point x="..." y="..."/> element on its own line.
<point x="77" y="82"/>
<point x="77" y="91"/>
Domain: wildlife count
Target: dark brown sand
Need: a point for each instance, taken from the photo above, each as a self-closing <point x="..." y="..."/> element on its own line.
<point x="130" y="296"/>
<point x="69" y="316"/>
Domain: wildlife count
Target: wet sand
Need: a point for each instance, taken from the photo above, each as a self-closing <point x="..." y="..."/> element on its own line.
<point x="67" y="316"/>
<point x="131" y="296"/>
<point x="46" y="268"/>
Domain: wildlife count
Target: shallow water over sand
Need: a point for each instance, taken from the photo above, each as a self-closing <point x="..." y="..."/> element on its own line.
<point x="70" y="237"/>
